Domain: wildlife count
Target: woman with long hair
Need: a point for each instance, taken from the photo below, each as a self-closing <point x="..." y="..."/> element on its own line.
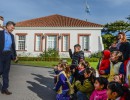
<point x="124" y="46"/>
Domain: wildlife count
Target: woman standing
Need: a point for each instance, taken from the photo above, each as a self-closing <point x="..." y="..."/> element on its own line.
<point x="124" y="46"/>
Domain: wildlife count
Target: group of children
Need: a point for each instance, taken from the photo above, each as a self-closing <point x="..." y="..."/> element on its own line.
<point x="80" y="81"/>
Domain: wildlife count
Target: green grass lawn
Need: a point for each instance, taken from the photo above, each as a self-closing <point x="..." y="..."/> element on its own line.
<point x="46" y="63"/>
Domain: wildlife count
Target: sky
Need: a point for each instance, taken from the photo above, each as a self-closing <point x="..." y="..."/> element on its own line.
<point x="101" y="11"/>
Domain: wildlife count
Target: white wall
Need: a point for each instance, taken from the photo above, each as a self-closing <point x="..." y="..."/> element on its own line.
<point x="73" y="39"/>
<point x="1" y="28"/>
<point x="1" y="23"/>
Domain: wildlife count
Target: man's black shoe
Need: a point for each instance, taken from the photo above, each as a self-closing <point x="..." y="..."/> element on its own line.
<point x="6" y="92"/>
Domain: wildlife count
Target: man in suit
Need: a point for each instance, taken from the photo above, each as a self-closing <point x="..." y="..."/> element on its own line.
<point x="7" y="53"/>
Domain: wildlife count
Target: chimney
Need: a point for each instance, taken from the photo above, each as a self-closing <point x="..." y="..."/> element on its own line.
<point x="1" y="21"/>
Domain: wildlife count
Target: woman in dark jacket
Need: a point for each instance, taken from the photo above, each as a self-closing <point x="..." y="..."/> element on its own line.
<point x="124" y="46"/>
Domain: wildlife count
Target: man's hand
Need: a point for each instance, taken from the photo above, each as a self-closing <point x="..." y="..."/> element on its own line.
<point x="70" y="53"/>
<point x="16" y="60"/>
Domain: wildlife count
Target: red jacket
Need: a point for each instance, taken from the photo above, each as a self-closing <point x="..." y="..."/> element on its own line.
<point x="105" y="62"/>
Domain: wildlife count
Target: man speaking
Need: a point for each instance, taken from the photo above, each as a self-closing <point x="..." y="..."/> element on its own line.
<point x="7" y="53"/>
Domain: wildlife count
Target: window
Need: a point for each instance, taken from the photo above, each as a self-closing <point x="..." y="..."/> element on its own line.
<point x="99" y="44"/>
<point x="21" y="42"/>
<point x="38" y="42"/>
<point x="65" y="42"/>
<point x="51" y="42"/>
<point x="84" y="42"/>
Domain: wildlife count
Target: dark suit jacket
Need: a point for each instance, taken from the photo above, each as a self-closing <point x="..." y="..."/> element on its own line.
<point x="2" y="41"/>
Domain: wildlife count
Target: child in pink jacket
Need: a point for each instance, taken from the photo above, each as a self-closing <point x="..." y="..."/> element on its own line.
<point x="100" y="92"/>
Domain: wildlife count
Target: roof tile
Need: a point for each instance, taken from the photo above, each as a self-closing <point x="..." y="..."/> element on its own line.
<point x="56" y="21"/>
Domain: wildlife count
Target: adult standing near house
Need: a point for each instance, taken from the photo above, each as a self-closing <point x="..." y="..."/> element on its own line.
<point x="7" y="53"/>
<point x="77" y="56"/>
<point x="124" y="46"/>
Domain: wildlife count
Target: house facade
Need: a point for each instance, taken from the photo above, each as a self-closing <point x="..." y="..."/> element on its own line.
<point x="58" y="32"/>
<point x="1" y="22"/>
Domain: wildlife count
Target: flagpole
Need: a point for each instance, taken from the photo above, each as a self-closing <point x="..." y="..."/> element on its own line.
<point x="87" y="9"/>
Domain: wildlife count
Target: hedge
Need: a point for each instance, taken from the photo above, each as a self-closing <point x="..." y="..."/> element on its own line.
<point x="53" y="59"/>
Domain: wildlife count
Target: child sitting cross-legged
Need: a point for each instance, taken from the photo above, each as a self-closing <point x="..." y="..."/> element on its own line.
<point x="100" y="92"/>
<point x="84" y="90"/>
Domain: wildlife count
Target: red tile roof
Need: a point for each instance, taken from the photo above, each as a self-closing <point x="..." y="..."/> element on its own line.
<point x="56" y="21"/>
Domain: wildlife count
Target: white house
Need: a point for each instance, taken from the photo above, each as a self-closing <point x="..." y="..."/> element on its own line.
<point x="1" y="23"/>
<point x="57" y="32"/>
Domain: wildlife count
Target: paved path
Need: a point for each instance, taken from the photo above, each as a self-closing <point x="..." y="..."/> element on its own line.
<point x="30" y="83"/>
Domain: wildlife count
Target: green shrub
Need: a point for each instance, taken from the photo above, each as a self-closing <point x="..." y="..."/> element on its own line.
<point x="68" y="59"/>
<point x="50" y="53"/>
<point x="37" y="59"/>
<point x="28" y="58"/>
<point x="53" y="55"/>
<point x="96" y="55"/>
<point x="92" y="59"/>
<point x="53" y="59"/>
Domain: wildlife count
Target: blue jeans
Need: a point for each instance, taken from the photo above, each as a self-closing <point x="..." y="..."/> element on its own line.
<point x="5" y="61"/>
<point x="81" y="96"/>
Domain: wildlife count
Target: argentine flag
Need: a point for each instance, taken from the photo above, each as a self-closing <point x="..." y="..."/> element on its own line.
<point x="87" y="9"/>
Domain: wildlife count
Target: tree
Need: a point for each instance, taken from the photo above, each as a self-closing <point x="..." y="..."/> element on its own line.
<point x="118" y="26"/>
<point x="108" y="39"/>
<point x="128" y="18"/>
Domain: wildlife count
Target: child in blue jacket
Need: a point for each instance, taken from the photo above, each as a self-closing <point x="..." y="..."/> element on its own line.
<point x="62" y="87"/>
